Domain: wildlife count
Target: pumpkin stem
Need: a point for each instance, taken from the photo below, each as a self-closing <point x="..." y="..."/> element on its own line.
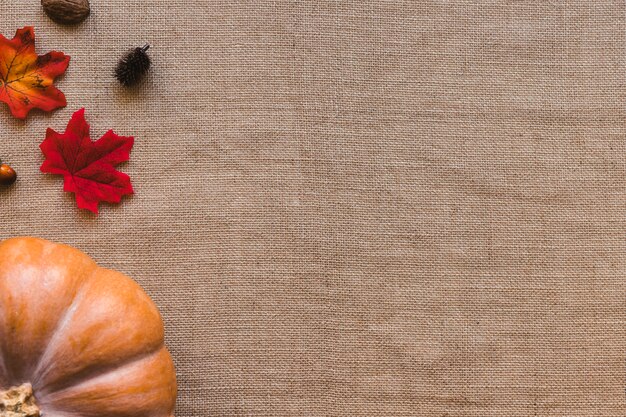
<point x="19" y="402"/>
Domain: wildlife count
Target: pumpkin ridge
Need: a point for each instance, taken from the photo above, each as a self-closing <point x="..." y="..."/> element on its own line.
<point x="64" y="401"/>
<point x="90" y="374"/>
<point x="3" y="371"/>
<point x="58" y="331"/>
<point x="67" y="380"/>
<point x="36" y="254"/>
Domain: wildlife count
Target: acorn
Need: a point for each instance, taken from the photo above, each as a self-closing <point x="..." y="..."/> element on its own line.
<point x="133" y="66"/>
<point x="7" y="174"/>
<point x="66" y="11"/>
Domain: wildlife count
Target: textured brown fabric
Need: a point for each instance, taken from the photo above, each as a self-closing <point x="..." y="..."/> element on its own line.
<point x="351" y="208"/>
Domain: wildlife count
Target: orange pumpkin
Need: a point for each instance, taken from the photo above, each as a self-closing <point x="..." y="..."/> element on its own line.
<point x="77" y="340"/>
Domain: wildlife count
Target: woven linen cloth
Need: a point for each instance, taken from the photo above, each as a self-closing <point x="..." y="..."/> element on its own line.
<point x="357" y="208"/>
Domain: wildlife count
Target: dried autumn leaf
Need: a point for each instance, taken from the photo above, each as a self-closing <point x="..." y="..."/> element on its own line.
<point x="26" y="79"/>
<point x="88" y="167"/>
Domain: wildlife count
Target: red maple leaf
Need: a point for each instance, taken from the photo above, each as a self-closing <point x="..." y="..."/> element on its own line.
<point x="26" y="80"/>
<point x="88" y="167"/>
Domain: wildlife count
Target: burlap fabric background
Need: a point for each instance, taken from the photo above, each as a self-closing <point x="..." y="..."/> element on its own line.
<point x="351" y="208"/>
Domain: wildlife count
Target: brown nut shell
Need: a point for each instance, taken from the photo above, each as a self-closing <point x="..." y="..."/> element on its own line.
<point x="7" y="175"/>
<point x="66" y="11"/>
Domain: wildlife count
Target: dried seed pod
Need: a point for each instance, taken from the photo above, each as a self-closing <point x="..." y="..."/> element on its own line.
<point x="7" y="175"/>
<point x="133" y="66"/>
<point x="66" y="11"/>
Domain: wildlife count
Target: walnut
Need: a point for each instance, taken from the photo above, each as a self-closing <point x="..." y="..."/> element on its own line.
<point x="66" y="11"/>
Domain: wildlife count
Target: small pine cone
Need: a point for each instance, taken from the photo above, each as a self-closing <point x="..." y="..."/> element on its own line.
<point x="133" y="66"/>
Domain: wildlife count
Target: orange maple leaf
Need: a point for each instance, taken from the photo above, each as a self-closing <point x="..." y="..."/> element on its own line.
<point x="26" y="79"/>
